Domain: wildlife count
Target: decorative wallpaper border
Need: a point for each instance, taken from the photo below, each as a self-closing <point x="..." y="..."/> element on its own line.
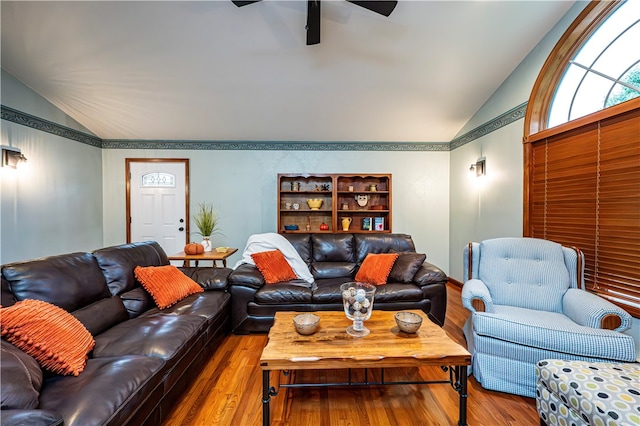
<point x="37" y="123"/>
<point x="275" y="145"/>
<point x="502" y="120"/>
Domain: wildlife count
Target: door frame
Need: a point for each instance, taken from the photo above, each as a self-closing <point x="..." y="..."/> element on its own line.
<point x="127" y="167"/>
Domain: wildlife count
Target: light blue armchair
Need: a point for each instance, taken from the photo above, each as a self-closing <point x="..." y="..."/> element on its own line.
<point x="527" y="304"/>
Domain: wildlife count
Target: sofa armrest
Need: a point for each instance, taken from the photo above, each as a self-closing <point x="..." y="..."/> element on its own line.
<point x="590" y="310"/>
<point x="208" y="278"/>
<point x="35" y="417"/>
<point x="476" y="296"/>
<point x="429" y="274"/>
<point x="246" y="275"/>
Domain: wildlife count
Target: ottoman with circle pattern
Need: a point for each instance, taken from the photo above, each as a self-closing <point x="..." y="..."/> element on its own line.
<point x="588" y="393"/>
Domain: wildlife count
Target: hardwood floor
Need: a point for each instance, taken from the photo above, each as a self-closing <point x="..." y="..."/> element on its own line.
<point x="229" y="392"/>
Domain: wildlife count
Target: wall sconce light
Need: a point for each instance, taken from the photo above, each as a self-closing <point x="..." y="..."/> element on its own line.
<point x="11" y="157"/>
<point x="480" y="167"/>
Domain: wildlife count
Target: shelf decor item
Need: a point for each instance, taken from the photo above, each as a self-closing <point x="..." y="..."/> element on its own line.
<point x="357" y="299"/>
<point x="206" y="220"/>
<point x="315" y="203"/>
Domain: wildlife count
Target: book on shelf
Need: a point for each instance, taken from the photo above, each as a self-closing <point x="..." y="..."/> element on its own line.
<point x="366" y="224"/>
<point x="378" y="223"/>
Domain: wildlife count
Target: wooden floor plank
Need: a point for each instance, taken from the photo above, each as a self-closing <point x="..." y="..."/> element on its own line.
<point x="229" y="391"/>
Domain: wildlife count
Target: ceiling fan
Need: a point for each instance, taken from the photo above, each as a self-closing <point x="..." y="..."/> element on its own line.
<point x="313" y="13"/>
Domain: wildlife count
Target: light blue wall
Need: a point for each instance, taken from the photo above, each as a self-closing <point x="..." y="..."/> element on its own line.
<point x="242" y="186"/>
<point x="52" y="205"/>
<point x="492" y="206"/>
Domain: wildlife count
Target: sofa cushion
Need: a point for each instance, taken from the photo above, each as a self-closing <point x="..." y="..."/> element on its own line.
<point x="273" y="266"/>
<point x="285" y="292"/>
<point x="327" y="270"/>
<point x="376" y="268"/>
<point x="102" y="314"/>
<point x="159" y="335"/>
<point x="396" y="292"/>
<point x="21" y="378"/>
<point x="70" y="281"/>
<point x="302" y="244"/>
<point x="107" y="392"/>
<point x="137" y="301"/>
<point x="56" y="339"/>
<point x="381" y="243"/>
<point x="166" y="284"/>
<point x="405" y="267"/>
<point x="333" y="248"/>
<point x="208" y="305"/>
<point x="118" y="262"/>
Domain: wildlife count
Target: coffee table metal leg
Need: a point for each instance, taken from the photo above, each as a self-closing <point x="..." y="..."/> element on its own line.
<point x="266" y="397"/>
<point x="462" y="421"/>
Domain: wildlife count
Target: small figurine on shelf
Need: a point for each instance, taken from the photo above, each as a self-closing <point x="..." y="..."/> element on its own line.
<point x="308" y="223"/>
<point x="324" y="227"/>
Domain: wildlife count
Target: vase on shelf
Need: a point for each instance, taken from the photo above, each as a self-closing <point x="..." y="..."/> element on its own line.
<point x="206" y="243"/>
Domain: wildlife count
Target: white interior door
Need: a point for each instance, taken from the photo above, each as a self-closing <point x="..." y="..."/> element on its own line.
<point x="158" y="203"/>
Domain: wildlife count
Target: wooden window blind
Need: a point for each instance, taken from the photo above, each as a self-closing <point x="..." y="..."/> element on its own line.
<point x="583" y="187"/>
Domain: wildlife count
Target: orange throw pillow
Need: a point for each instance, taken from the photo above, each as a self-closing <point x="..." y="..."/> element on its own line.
<point x="166" y="284"/>
<point x="375" y="268"/>
<point x="54" y="337"/>
<point x="273" y="266"/>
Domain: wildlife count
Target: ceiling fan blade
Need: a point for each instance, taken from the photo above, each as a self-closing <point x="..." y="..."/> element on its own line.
<point x="244" y="3"/>
<point x="313" y="22"/>
<point x="382" y="7"/>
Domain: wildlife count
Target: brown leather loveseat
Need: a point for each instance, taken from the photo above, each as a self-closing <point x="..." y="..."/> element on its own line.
<point x="144" y="358"/>
<point x="334" y="259"/>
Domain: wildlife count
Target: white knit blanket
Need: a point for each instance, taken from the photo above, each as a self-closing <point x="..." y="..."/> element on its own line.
<point x="272" y="241"/>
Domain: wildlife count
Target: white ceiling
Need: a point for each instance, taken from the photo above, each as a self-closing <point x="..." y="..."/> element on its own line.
<point x="207" y="70"/>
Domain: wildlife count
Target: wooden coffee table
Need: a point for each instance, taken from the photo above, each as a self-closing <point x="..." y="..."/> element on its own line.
<point x="386" y="347"/>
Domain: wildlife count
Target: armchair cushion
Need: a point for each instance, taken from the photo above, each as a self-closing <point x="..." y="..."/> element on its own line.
<point x="588" y="310"/>
<point x="552" y="331"/>
<point x="512" y="267"/>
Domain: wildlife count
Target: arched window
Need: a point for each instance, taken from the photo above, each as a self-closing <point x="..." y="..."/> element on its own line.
<point x="605" y="71"/>
<point x="582" y="149"/>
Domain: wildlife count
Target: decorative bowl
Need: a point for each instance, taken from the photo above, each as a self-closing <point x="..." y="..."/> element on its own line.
<point x="306" y="323"/>
<point x="222" y="249"/>
<point x="291" y="227"/>
<point x="408" y="322"/>
<point x="314" y="203"/>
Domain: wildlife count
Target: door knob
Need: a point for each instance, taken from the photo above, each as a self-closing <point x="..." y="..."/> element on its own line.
<point x="181" y="229"/>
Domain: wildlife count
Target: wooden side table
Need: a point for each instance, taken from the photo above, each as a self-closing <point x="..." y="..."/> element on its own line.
<point x="213" y="256"/>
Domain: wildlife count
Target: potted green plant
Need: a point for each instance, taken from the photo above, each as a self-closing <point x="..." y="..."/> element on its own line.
<point x="206" y="220"/>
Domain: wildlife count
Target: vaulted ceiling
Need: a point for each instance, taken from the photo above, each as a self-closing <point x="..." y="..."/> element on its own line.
<point x="208" y="70"/>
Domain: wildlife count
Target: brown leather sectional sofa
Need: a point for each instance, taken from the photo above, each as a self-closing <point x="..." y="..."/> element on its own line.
<point x="143" y="360"/>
